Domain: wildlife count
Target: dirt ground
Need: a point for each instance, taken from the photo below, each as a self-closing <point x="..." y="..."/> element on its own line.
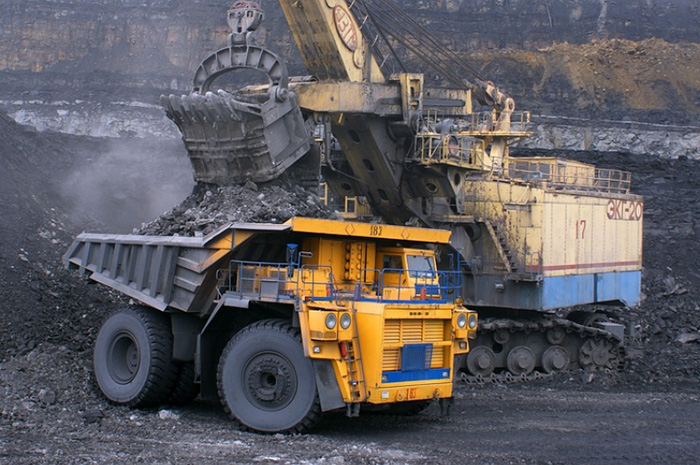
<point x="547" y="422"/>
<point x="51" y="411"/>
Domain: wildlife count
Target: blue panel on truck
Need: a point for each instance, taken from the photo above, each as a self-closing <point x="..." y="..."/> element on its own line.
<point x="419" y="375"/>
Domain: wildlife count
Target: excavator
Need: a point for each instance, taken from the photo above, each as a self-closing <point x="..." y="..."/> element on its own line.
<point x="547" y="248"/>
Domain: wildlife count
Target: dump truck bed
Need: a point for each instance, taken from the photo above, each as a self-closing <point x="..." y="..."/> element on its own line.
<point x="160" y="271"/>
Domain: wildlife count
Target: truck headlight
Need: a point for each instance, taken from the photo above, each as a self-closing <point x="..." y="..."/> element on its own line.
<point x="345" y="320"/>
<point x="472" y="321"/>
<point x="461" y="320"/>
<point x="331" y="321"/>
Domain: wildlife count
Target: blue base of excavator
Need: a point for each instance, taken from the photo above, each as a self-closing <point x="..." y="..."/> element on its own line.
<point x="554" y="292"/>
<point x="566" y="291"/>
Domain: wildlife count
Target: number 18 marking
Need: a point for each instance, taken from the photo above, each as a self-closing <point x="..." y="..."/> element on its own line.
<point x="375" y="230"/>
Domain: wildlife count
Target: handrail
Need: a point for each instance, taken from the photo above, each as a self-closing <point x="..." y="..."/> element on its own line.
<point x="423" y="285"/>
<point x="260" y="279"/>
<point x="327" y="285"/>
<point x="483" y="123"/>
<point x="432" y="148"/>
<point x="284" y="282"/>
<point x="570" y="177"/>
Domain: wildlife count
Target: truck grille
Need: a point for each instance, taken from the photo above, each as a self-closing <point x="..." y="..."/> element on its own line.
<point x="399" y="332"/>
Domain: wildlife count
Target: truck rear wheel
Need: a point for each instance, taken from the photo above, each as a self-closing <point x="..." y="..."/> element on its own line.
<point x="133" y="357"/>
<point x="265" y="382"/>
<point x="185" y="389"/>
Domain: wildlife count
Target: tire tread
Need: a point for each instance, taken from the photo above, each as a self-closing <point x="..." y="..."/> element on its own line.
<point x="283" y="327"/>
<point x="185" y="389"/>
<point x="162" y="370"/>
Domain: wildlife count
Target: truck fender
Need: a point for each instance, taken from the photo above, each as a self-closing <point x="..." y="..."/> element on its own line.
<point x="327" y="385"/>
<point x="185" y="329"/>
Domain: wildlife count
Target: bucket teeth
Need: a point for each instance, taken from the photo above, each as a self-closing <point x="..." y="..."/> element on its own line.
<point x="232" y="141"/>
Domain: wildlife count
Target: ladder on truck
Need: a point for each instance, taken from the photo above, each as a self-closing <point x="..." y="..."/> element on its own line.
<point x="356" y="370"/>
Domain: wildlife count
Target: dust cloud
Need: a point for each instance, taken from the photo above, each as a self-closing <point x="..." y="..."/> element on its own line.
<point x="129" y="183"/>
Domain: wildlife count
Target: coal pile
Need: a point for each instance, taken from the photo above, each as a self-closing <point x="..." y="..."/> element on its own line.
<point x="211" y="206"/>
<point x="667" y="346"/>
<point x="40" y="301"/>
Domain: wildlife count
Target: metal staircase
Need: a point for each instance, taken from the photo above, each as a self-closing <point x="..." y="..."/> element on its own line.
<point x="502" y="248"/>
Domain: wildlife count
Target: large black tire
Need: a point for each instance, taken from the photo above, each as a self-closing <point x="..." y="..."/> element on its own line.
<point x="266" y="383"/>
<point x="133" y="357"/>
<point x="185" y="389"/>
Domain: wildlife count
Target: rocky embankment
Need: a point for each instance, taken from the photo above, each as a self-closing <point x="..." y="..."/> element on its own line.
<point x="39" y="35"/>
<point x="564" y="134"/>
<point x="595" y="75"/>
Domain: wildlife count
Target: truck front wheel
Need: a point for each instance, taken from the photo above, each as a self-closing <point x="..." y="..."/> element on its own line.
<point x="265" y="382"/>
<point x="133" y="357"/>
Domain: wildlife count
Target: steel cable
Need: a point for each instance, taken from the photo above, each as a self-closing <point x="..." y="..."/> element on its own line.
<point x="390" y="20"/>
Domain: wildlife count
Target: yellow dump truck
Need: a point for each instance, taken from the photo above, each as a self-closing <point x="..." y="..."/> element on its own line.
<point x="280" y="322"/>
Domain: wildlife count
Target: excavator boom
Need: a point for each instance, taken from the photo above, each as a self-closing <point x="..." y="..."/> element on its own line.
<point x="330" y="41"/>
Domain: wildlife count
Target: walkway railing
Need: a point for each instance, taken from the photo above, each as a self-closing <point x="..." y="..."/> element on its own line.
<point x="282" y="282"/>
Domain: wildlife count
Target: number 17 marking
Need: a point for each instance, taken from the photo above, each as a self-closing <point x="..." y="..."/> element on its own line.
<point x="580" y="229"/>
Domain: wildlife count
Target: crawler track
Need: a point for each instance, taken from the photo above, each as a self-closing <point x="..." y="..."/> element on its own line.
<point x="508" y="351"/>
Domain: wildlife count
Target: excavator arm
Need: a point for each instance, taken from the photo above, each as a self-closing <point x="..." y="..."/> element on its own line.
<point x="259" y="134"/>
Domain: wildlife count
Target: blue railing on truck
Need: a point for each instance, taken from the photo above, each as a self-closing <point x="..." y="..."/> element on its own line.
<point x="429" y="286"/>
<point x="273" y="281"/>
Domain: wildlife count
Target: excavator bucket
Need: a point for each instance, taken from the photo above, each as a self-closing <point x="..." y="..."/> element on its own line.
<point x="230" y="140"/>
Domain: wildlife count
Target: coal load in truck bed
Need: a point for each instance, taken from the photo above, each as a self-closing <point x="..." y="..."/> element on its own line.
<point x="212" y="206"/>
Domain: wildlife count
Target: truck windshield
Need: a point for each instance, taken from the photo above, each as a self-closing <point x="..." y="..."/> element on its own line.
<point x="420" y="266"/>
